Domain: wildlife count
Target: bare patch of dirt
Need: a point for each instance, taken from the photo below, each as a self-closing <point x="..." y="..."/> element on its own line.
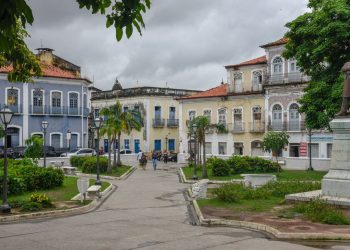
<point x="297" y="224"/>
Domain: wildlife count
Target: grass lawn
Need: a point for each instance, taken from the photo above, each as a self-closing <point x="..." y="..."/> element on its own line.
<point x="118" y="171"/>
<point x="285" y="175"/>
<point x="64" y="193"/>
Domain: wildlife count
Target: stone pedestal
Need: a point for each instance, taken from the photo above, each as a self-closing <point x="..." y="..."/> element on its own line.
<point x="257" y="180"/>
<point x="336" y="183"/>
<point x="199" y="189"/>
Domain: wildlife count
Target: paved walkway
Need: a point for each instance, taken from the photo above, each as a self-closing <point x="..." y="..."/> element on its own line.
<point x="148" y="211"/>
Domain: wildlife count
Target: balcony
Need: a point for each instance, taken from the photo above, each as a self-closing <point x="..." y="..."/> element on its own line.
<point x="296" y="77"/>
<point x="257" y="127"/>
<point x="16" y="109"/>
<point x="237" y="128"/>
<point x="287" y="126"/>
<point x="58" y="111"/>
<point x="173" y="123"/>
<point x="158" y="123"/>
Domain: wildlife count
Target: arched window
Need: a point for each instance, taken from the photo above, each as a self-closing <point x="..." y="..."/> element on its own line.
<point x="293" y="67"/>
<point x="277" y="65"/>
<point x="257" y="113"/>
<point x="38" y="101"/>
<point x="191" y="115"/>
<point x="237" y="77"/>
<point x="56" y="101"/>
<point x="277" y="117"/>
<point x="73" y="103"/>
<point x="257" y="80"/>
<point x="294" y="117"/>
<point x="207" y="113"/>
<point x="237" y="119"/>
<point x="257" y="124"/>
<point x="222" y="116"/>
<point x="12" y="99"/>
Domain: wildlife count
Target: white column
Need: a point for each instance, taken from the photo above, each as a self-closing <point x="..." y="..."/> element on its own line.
<point x="25" y="104"/>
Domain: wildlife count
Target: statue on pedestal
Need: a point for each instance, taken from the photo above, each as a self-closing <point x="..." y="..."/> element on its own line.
<point x="344" y="111"/>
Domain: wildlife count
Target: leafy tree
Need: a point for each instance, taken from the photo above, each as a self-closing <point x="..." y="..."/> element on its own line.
<point x="319" y="41"/>
<point x="123" y="15"/>
<point x="274" y="142"/>
<point x="35" y="148"/>
<point x="107" y="129"/>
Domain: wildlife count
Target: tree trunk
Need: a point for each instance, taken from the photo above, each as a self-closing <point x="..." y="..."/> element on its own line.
<point x="119" y="163"/>
<point x="109" y="168"/>
<point x="114" y="153"/>
<point x="205" y="171"/>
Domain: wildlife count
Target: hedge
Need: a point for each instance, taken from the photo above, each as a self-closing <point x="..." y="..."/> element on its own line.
<point x="78" y="161"/>
<point x="90" y="165"/>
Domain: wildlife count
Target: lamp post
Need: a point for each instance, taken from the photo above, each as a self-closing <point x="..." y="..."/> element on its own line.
<point x="310" y="156"/>
<point x="69" y="136"/>
<point x="6" y="117"/>
<point x="98" y="122"/>
<point x="166" y="143"/>
<point x="44" y="125"/>
<point x="194" y="130"/>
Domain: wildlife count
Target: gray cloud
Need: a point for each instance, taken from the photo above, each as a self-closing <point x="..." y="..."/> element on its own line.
<point x="185" y="43"/>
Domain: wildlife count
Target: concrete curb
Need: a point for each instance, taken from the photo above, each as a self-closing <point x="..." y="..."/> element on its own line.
<point x="185" y="180"/>
<point x="275" y="233"/>
<point x="57" y="213"/>
<point x="107" y="177"/>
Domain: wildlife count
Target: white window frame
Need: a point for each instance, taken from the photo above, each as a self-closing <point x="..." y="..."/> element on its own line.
<point x="78" y="104"/>
<point x="218" y="115"/>
<point x="51" y="92"/>
<point x="19" y="95"/>
<point x="32" y="99"/>
<point x="272" y="65"/>
<point x="61" y="138"/>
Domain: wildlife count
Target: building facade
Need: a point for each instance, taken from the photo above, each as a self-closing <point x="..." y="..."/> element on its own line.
<point x="61" y="97"/>
<point x="159" y="110"/>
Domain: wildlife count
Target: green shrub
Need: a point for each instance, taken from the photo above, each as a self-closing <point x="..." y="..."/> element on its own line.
<point x="318" y="211"/>
<point x="31" y="206"/>
<point x="229" y="192"/>
<point x="282" y="188"/>
<point x="42" y="199"/>
<point x="78" y="161"/>
<point x="15" y="185"/>
<point x="220" y="167"/>
<point x="246" y="164"/>
<point x="90" y="165"/>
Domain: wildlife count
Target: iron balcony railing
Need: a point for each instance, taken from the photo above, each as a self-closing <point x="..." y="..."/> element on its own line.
<point x="237" y="127"/>
<point x="16" y="109"/>
<point x="257" y="127"/>
<point x="173" y="123"/>
<point x="296" y="77"/>
<point x="58" y="111"/>
<point x="158" y="123"/>
<point x="287" y="126"/>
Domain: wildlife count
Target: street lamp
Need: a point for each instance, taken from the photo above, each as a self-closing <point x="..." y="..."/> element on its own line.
<point x="98" y="122"/>
<point x="44" y="125"/>
<point x="6" y="117"/>
<point x="194" y="130"/>
<point x="68" y="137"/>
<point x="310" y="156"/>
<point x="166" y="143"/>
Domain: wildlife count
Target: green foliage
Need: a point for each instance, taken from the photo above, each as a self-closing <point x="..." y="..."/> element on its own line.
<point x="30" y="178"/>
<point x="319" y="41"/>
<point x="42" y="199"/>
<point x="232" y="192"/>
<point x="246" y="164"/>
<point x="35" y="148"/>
<point x="78" y="161"/>
<point x="15" y="15"/>
<point x="31" y="206"/>
<point x="275" y="141"/>
<point x="318" y="211"/>
<point x="220" y="167"/>
<point x="90" y="165"/>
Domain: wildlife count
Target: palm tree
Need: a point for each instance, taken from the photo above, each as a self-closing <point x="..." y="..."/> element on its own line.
<point x="108" y="129"/>
<point x="203" y="125"/>
<point x="118" y="122"/>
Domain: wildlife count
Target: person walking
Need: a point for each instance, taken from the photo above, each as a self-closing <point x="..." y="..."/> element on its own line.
<point x="165" y="156"/>
<point x="154" y="159"/>
<point x="139" y="158"/>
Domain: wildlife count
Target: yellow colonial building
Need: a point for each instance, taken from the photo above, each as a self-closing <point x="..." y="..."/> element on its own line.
<point x="159" y="110"/>
<point x="239" y="105"/>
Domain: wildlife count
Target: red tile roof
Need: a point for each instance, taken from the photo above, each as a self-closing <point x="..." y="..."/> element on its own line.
<point x="49" y="71"/>
<point x="218" y="91"/>
<point x="281" y="41"/>
<point x="259" y="60"/>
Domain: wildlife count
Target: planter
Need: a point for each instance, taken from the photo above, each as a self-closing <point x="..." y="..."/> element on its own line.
<point x="257" y="180"/>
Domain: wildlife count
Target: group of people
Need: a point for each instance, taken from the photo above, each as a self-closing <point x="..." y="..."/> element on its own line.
<point x="142" y="158"/>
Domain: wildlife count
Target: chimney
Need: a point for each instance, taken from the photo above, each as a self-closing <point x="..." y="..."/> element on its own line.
<point x="45" y="55"/>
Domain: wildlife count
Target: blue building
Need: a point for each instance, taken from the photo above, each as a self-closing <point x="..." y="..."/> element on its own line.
<point x="61" y="97"/>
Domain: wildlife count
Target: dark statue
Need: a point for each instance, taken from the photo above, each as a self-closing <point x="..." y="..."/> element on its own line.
<point x="344" y="111"/>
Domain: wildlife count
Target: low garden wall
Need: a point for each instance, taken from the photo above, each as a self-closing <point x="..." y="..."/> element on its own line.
<point x="294" y="163"/>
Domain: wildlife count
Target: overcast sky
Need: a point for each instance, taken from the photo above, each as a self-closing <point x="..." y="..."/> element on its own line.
<point x="185" y="44"/>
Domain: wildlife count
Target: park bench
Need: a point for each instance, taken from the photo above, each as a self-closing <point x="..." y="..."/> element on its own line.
<point x="69" y="170"/>
<point x="94" y="191"/>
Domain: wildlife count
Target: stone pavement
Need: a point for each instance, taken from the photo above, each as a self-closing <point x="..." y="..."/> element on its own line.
<point x="148" y="211"/>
